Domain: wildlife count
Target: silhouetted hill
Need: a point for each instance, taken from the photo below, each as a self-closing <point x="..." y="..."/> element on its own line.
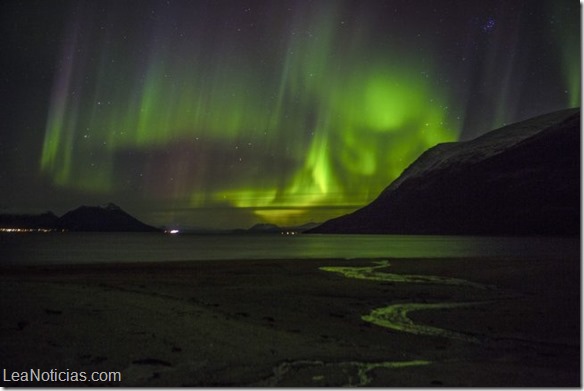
<point x="523" y="179"/>
<point x="265" y="228"/>
<point x="109" y="218"/>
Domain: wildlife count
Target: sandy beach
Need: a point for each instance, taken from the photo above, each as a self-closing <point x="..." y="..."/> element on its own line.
<point x="328" y="322"/>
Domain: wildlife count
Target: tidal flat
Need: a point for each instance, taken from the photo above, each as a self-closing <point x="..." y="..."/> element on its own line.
<point x="324" y="322"/>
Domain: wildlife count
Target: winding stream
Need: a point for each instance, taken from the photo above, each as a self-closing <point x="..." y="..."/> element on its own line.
<point x="371" y="273"/>
<point x="395" y="316"/>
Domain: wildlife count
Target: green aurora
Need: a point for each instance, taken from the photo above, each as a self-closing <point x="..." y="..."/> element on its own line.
<point x="302" y="111"/>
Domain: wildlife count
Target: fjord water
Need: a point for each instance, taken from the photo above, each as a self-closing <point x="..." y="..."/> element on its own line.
<point x="85" y="248"/>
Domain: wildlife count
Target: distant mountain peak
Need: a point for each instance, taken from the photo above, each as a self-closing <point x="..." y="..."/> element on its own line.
<point x="108" y="217"/>
<point x="261" y="227"/>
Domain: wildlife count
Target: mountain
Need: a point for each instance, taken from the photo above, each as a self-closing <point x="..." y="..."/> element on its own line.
<point x="265" y="228"/>
<point x="522" y="179"/>
<point x="272" y="228"/>
<point x="108" y="218"/>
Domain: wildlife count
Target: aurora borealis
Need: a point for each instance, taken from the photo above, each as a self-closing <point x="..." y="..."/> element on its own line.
<point x="229" y="113"/>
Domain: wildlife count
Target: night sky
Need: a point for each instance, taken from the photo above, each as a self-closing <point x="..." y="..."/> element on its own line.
<point x="229" y="113"/>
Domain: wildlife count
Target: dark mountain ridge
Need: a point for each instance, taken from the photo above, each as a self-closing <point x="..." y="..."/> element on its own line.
<point x="522" y="179"/>
<point x="107" y="218"/>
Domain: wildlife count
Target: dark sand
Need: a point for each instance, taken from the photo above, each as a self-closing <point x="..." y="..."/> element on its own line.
<point x="288" y="323"/>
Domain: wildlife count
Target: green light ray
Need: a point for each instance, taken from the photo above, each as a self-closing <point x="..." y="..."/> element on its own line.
<point x="333" y="130"/>
<point x="565" y="28"/>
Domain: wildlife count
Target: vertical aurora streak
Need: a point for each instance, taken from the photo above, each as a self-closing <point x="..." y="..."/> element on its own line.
<point x="567" y="39"/>
<point x="277" y="108"/>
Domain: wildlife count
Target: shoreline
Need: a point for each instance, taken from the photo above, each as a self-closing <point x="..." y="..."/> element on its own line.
<point x="288" y="323"/>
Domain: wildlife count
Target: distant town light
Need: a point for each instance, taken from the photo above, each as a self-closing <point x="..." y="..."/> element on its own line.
<point x="21" y="230"/>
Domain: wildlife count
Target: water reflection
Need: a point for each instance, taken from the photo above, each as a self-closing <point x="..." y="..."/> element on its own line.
<point x="140" y="247"/>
